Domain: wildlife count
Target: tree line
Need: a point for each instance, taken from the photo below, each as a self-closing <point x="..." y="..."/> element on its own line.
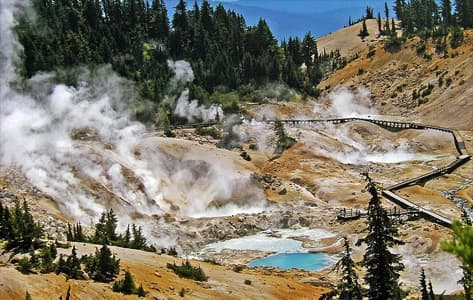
<point x="137" y="38"/>
<point x="106" y="234"/>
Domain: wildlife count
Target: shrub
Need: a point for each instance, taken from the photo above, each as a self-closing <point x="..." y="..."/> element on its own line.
<point x="127" y="286"/>
<point x="428" y="90"/>
<point x="172" y="251"/>
<point x="210" y="131"/>
<point x="245" y="156"/>
<point x="247" y="282"/>
<point x="186" y="270"/>
<point x="284" y="141"/>
<point x="24" y="265"/>
<point x="238" y="268"/>
<point x="449" y="81"/>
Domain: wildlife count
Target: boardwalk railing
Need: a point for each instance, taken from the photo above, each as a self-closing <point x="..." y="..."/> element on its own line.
<point x="461" y="158"/>
<point x="412" y="208"/>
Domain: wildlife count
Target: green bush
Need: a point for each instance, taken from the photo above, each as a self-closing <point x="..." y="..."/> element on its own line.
<point x="24" y="266"/>
<point x="238" y="268"/>
<point x="186" y="270"/>
<point x="209" y="131"/>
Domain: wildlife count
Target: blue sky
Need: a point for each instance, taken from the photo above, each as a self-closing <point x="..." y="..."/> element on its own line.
<point x="296" y="17"/>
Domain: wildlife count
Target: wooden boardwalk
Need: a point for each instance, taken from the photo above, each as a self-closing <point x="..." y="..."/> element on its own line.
<point x="346" y="214"/>
<point x="388" y="192"/>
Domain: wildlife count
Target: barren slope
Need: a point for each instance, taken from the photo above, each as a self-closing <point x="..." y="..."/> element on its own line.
<point x="393" y="78"/>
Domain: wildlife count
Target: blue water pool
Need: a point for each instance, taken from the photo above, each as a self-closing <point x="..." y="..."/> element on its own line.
<point x="304" y="261"/>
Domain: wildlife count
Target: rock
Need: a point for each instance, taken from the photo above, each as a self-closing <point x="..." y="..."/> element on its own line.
<point x="85" y="276"/>
<point x="283" y="191"/>
<point x="157" y="274"/>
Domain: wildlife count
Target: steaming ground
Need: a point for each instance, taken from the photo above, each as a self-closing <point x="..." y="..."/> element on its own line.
<point x="81" y="150"/>
<point x="78" y="145"/>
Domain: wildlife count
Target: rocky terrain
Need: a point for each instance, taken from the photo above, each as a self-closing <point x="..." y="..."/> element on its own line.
<point x="209" y="194"/>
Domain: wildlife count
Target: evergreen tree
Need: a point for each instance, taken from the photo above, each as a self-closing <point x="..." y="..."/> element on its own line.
<point x="139" y="241"/>
<point x="53" y="250"/>
<point x="382" y="266"/>
<point x="47" y="264"/>
<point x="103" y="266"/>
<point x="399" y="9"/>
<point x="431" y="291"/>
<point x="369" y="13"/>
<point x="447" y="12"/>
<point x="386" y="14"/>
<point x="34" y="259"/>
<point x="128" y="285"/>
<point x="179" y="35"/>
<point x="378" y="20"/>
<point x="141" y="291"/>
<point x="364" y="30"/>
<point x="467" y="279"/>
<point x="73" y="266"/>
<point x="464" y="13"/>
<point x="127" y="237"/>
<point x="348" y="289"/>
<point x="423" y="286"/>
<point x="23" y="231"/>
<point x="111" y="226"/>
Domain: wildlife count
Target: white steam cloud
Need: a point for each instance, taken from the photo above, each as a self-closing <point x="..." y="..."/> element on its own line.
<point x="193" y="111"/>
<point x="182" y="70"/>
<point x="345" y="103"/>
<point x="78" y="145"/>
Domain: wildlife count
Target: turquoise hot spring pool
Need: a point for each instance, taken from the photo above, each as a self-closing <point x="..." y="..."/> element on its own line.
<point x="304" y="261"/>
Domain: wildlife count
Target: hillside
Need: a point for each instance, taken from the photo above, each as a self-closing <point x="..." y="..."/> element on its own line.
<point x="393" y="77"/>
<point x="160" y="282"/>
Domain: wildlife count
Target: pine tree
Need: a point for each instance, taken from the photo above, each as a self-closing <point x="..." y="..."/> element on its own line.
<point x="128" y="285"/>
<point x="467" y="279"/>
<point x="141" y="291"/>
<point x="53" y="250"/>
<point x="103" y="266"/>
<point x="378" y="20"/>
<point x="139" y="241"/>
<point x="47" y="264"/>
<point x="73" y="265"/>
<point x="382" y="267"/>
<point x="399" y="9"/>
<point x="386" y="13"/>
<point x="364" y="30"/>
<point x="34" y="259"/>
<point x="431" y="291"/>
<point x="447" y="12"/>
<point x="127" y="238"/>
<point x="423" y="285"/>
<point x="111" y="226"/>
<point x="348" y="289"/>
